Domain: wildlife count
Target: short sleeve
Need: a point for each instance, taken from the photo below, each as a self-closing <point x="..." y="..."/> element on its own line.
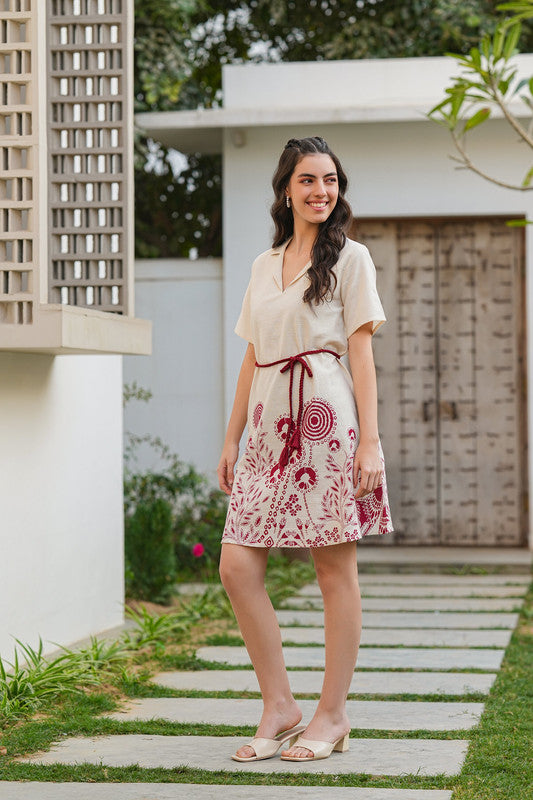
<point x="244" y="323"/>
<point x="359" y="294"/>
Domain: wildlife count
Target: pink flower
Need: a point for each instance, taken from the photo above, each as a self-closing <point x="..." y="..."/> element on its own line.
<point x="198" y="550"/>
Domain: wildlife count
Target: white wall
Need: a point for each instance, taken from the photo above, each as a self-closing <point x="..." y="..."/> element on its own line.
<point x="185" y="371"/>
<point x="61" y="528"/>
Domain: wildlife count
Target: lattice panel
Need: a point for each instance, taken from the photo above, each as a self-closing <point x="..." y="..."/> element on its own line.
<point x="17" y="270"/>
<point x="88" y="172"/>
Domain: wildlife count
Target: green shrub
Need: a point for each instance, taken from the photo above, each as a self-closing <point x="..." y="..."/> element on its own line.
<point x="198" y="511"/>
<point x="150" y="550"/>
<point x="197" y="534"/>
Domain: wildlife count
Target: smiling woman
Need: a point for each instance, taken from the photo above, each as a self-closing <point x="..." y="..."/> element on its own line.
<point x="312" y="474"/>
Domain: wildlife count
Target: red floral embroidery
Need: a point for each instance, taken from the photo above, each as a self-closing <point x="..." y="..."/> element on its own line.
<point x="318" y="420"/>
<point x="293" y="506"/>
<point x="305" y="478"/>
<point x="312" y="503"/>
<point x="281" y="426"/>
<point x="258" y="410"/>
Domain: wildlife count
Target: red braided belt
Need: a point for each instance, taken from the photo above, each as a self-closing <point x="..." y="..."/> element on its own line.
<point x="292" y="437"/>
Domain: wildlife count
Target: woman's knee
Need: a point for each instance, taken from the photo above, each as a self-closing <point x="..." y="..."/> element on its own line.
<point x="240" y="571"/>
<point x="335" y="568"/>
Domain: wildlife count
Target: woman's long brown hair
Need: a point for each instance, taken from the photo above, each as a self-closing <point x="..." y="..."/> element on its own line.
<point x="331" y="233"/>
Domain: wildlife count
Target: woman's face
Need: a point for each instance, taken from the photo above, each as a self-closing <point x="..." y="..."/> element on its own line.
<point x="313" y="188"/>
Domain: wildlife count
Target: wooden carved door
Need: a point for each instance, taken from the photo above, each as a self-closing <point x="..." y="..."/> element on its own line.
<point x="450" y="366"/>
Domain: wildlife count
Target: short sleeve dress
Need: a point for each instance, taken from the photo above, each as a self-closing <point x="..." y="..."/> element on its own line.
<point x="293" y="485"/>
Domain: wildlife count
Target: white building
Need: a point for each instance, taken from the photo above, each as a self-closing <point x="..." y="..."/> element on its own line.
<point x="66" y="314"/>
<point x="454" y="358"/>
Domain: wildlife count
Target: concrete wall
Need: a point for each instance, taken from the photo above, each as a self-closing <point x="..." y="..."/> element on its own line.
<point x="61" y="528"/>
<point x="185" y="371"/>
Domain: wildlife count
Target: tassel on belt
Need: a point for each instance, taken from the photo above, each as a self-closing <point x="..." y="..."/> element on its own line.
<point x="293" y="435"/>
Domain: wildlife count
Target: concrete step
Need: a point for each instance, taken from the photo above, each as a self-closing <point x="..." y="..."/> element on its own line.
<point x="413" y="637"/>
<point x="441" y="590"/>
<point x="363" y="714"/>
<point x="310" y="682"/>
<point x="439" y="579"/>
<point x="371" y="658"/>
<point x="370" y="756"/>
<point x="460" y="604"/>
<point x="192" y="791"/>
<point x="408" y="619"/>
<point x="397" y="558"/>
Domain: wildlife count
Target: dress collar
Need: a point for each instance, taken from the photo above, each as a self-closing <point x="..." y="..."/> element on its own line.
<point x="278" y="254"/>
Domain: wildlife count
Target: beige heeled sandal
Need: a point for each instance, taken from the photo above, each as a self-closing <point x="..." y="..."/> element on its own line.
<point x="266" y="748"/>
<point x="319" y="749"/>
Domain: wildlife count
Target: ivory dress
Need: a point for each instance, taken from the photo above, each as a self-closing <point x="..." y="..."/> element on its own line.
<point x="293" y="485"/>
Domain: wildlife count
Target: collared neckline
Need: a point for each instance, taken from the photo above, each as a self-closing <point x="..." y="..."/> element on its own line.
<point x="278" y="267"/>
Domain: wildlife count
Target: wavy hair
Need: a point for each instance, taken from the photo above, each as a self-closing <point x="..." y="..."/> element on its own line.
<point x="331" y="236"/>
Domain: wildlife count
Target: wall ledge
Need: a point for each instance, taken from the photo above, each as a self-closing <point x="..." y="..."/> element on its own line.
<point x="71" y="330"/>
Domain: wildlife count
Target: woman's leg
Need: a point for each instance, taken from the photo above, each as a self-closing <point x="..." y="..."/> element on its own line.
<point x="242" y="571"/>
<point x="336" y="570"/>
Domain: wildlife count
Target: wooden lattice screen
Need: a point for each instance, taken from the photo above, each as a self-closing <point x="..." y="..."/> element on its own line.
<point x="85" y="174"/>
<point x="17" y="159"/>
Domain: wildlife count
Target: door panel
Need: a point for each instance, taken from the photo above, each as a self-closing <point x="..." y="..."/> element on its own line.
<point x="450" y="375"/>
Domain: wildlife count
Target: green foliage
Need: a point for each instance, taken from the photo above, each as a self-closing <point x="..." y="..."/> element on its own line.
<point x="195" y="515"/>
<point x="181" y="46"/>
<point x="150" y="550"/>
<point x="200" y="522"/>
<point x="489" y="80"/>
<point x="178" y="214"/>
<point x="156" y="629"/>
<point x="25" y="687"/>
<point x="161" y="52"/>
<point x="101" y="658"/>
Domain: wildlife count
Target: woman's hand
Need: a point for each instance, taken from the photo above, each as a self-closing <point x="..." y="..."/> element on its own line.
<point x="368" y="462"/>
<point x="228" y="459"/>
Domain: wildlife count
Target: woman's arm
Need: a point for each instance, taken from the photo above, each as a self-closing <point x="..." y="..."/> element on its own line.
<point x="367" y="458"/>
<point x="237" y="421"/>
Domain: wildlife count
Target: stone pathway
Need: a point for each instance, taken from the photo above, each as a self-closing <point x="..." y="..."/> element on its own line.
<point x="375" y="714"/>
<point x="190" y="791"/>
<point x="425" y="626"/>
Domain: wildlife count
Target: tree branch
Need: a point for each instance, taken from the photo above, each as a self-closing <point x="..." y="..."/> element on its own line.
<point x="467" y="163"/>
<point x="513" y="122"/>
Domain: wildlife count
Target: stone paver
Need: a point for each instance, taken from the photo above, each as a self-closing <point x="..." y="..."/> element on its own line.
<point x="371" y="756"/>
<point x="394" y="557"/>
<point x="191" y="791"/>
<point x="442" y="590"/>
<point x="193" y="588"/>
<point x="432" y="579"/>
<point x="310" y="682"/>
<point x="408" y="619"/>
<point x="385" y="715"/>
<point x="461" y="604"/>
<point x="369" y="658"/>
<point x="415" y="637"/>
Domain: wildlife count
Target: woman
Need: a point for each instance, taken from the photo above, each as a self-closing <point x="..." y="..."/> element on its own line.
<point x="312" y="474"/>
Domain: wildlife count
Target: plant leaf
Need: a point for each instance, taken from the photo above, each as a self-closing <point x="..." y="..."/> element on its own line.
<point x="479" y="117"/>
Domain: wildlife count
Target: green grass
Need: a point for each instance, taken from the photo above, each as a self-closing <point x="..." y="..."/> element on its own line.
<point x="498" y="765"/>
